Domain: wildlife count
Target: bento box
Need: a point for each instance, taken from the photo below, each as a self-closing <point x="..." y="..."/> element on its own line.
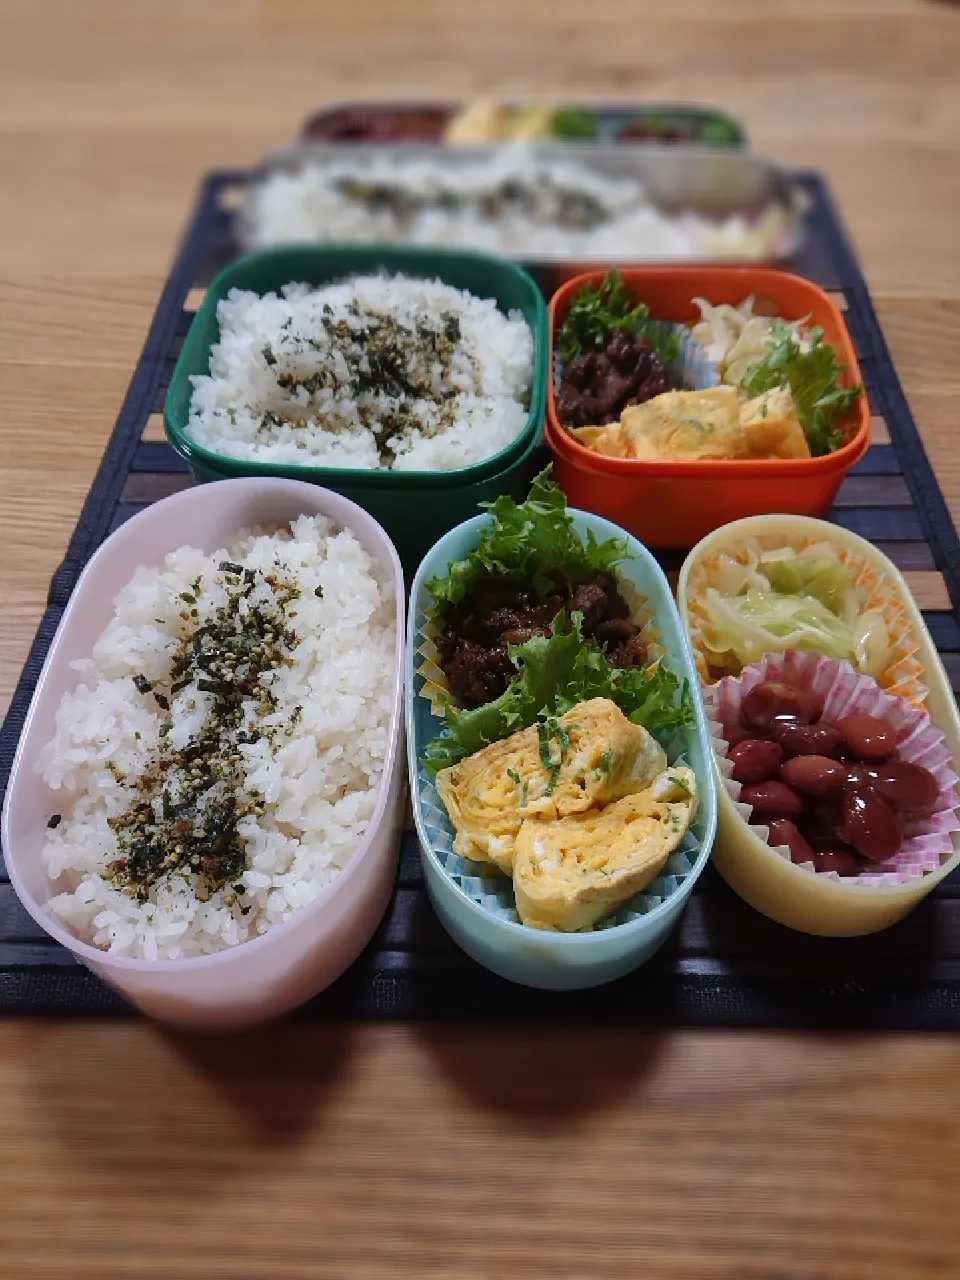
<point x="216" y="940"/>
<point x="475" y="900"/>
<point x="416" y="518"/>
<point x="901" y="682"/>
<point x="537" y="202"/>
<point x="673" y="503"/>
<point x="489" y="121"/>
<point x="411" y="503"/>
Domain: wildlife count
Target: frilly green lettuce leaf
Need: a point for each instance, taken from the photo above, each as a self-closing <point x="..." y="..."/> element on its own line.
<point x="813" y="378"/>
<point x="524" y="541"/>
<point x="555" y="673"/>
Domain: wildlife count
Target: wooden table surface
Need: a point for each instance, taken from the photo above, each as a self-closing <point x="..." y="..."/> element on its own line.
<point x="425" y="1151"/>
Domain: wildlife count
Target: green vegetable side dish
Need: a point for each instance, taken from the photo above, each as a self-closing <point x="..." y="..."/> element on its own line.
<point x="596" y="313"/>
<point x="555" y="672"/>
<point x="526" y="540"/>
<point x="575" y="124"/>
<point x="814" y="379"/>
<point x="661" y="125"/>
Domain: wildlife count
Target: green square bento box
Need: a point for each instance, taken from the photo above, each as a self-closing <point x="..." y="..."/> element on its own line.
<point x="475" y="903"/>
<point x="415" y="507"/>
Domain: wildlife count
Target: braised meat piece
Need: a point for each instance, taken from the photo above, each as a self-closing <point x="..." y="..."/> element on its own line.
<point x="598" y="385"/>
<point x="576" y="409"/>
<point x="473" y="645"/>
<point x="616" y="631"/>
<point x="581" y="369"/>
<point x="590" y="599"/>
<point x="477" y="674"/>
<point x="621" y="350"/>
<point x="628" y="653"/>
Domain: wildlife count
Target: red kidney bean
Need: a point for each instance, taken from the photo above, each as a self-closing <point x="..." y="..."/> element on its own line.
<point x="868" y="737"/>
<point x="755" y="760"/>
<point x="816" y="775"/>
<point x="842" y="861"/>
<point x="807" y="739"/>
<point x="869" y="824"/>
<point x="736" y="733"/>
<point x="772" y="702"/>
<point x="775" y="799"/>
<point x="909" y="788"/>
<point x="819" y="829"/>
<point x="785" y="832"/>
<point x="859" y="774"/>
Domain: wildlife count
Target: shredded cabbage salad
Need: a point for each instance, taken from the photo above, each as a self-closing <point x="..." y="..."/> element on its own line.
<point x="785" y="599"/>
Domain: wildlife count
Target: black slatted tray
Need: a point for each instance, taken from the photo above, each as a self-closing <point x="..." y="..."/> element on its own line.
<point x="725" y="964"/>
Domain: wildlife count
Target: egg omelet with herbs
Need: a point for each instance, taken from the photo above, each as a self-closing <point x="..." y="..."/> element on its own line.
<point x="699" y="426"/>
<point x="583" y="760"/>
<point x="570" y="873"/>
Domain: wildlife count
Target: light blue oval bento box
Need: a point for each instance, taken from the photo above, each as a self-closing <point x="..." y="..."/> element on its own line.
<point x="475" y="903"/>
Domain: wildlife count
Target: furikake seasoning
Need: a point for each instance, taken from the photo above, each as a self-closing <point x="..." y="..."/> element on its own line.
<point x="191" y="798"/>
<point x="398" y="375"/>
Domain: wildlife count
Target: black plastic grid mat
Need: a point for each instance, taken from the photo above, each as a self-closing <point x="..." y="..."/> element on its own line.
<point x="725" y="965"/>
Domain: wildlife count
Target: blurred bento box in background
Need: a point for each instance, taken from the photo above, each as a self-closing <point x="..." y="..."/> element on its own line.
<point x="487" y="120"/>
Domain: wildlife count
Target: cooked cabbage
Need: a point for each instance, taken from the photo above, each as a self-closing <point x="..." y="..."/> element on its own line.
<point x="787" y="599"/>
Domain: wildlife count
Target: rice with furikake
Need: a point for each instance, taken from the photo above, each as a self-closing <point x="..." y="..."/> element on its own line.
<point x="222" y="756"/>
<point x="378" y="372"/>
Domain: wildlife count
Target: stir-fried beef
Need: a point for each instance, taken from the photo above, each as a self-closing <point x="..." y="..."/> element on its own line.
<point x="598" y="385"/>
<point x="477" y="632"/>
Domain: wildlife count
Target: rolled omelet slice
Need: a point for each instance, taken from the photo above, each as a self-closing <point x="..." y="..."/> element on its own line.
<point x="687" y="425"/>
<point x="609" y="440"/>
<point x="771" y="426"/>
<point x="587" y="758"/>
<point x="570" y="873"/>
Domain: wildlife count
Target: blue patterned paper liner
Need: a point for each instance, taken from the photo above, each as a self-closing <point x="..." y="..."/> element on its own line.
<point x="693" y="369"/>
<point x="493" y="891"/>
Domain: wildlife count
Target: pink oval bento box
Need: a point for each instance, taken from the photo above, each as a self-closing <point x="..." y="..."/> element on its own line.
<point x="268" y="975"/>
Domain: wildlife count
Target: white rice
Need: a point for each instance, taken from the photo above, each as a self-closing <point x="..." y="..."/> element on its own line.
<point x="319" y="771"/>
<point x="512" y="202"/>
<point x="291" y="378"/>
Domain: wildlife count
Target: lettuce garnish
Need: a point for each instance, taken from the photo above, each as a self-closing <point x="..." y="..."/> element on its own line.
<point x="524" y="541"/>
<point x="596" y="312"/>
<point x="813" y="378"/>
<point x="555" y="673"/>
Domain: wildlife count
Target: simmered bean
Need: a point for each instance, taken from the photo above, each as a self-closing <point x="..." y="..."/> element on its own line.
<point x="816" y="775"/>
<point x="807" y="739"/>
<point x="833" y="794"/>
<point x="785" y="832"/>
<point x="868" y="737"/>
<point x="819" y="825"/>
<point x="842" y="861"/>
<point x="860" y="774"/>
<point x="909" y="788"/>
<point x="771" y="702"/>
<point x="755" y="760"/>
<point x="773" y="799"/>
<point x="736" y="733"/>
<point x="869" y="824"/>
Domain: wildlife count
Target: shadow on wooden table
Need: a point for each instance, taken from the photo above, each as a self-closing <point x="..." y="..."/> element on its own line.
<point x="542" y="1076"/>
<point x="117" y="1089"/>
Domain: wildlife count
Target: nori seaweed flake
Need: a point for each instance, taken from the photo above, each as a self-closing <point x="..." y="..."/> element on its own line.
<point x="191" y="799"/>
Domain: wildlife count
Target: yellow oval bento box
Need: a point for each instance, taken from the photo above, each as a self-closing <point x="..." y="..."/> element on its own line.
<point x="811" y="903"/>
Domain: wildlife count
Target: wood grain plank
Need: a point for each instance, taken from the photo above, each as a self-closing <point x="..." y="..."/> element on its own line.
<point x="733" y="1152"/>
